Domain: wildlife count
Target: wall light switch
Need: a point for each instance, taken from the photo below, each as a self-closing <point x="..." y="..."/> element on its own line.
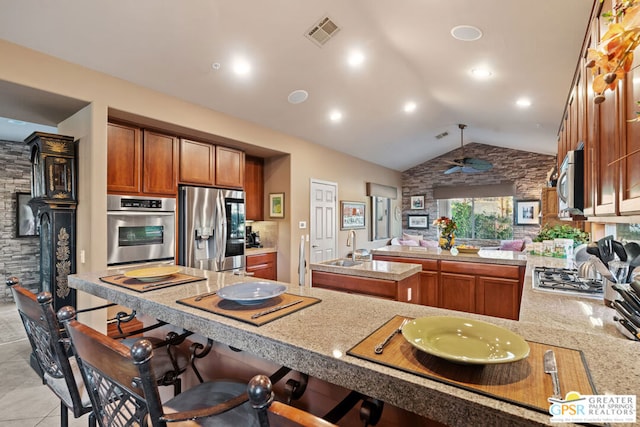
<point x="82" y="257"/>
<point x="302" y="224"/>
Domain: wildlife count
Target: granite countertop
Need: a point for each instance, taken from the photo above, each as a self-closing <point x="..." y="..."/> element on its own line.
<point x="258" y="251"/>
<point x="373" y="269"/>
<point x="322" y="354"/>
<point x="484" y="256"/>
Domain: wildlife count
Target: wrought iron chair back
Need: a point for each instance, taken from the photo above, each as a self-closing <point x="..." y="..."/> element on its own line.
<point x="124" y="392"/>
<point x="50" y="349"/>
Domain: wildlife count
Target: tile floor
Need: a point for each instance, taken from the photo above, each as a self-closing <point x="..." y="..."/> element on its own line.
<point x="24" y="400"/>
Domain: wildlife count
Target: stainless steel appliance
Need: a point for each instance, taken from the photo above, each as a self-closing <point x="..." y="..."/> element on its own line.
<point x="211" y="228"/>
<point x="566" y="281"/>
<point x="571" y="184"/>
<point x="140" y="229"/>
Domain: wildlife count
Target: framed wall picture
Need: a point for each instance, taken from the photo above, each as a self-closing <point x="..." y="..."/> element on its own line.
<point x="417" y="202"/>
<point x="418" y="221"/>
<point x="527" y="212"/>
<point x="352" y="215"/>
<point x="276" y="205"/>
<point x="25" y="220"/>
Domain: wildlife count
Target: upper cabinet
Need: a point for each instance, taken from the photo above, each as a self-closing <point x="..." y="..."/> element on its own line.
<point x="229" y="167"/>
<point x="611" y="140"/>
<point x="197" y="163"/>
<point x="141" y="161"/>
<point x="160" y="164"/>
<point x="254" y="188"/>
<point x="124" y="154"/>
<point x="629" y="172"/>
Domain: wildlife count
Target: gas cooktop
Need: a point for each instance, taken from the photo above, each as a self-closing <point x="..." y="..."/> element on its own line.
<point x="566" y="281"/>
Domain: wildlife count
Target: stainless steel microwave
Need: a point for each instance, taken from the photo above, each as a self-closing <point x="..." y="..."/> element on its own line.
<point x="571" y="184"/>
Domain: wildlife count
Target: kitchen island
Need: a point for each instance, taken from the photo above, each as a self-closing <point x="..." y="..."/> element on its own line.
<point x="341" y="320"/>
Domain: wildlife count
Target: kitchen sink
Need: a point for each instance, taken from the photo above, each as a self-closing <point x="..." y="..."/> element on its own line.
<point x="343" y="263"/>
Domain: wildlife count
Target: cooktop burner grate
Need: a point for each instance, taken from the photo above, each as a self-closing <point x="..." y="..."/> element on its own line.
<point x="564" y="280"/>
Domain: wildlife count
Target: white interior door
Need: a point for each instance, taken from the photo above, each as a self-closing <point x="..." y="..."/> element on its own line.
<point x="322" y="229"/>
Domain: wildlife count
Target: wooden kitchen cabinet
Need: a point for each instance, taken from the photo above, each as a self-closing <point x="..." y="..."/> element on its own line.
<point x="472" y="287"/>
<point x="610" y="139"/>
<point x="264" y="266"/>
<point x="489" y="289"/>
<point x="629" y="166"/>
<point x="160" y="164"/>
<point x="124" y="156"/>
<point x="229" y="167"/>
<point x="254" y="188"/>
<point x="428" y="286"/>
<point x="141" y="161"/>
<point x="197" y="163"/>
<point x="401" y="290"/>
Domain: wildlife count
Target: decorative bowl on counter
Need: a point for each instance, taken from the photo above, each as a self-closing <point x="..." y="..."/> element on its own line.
<point x="152" y="274"/>
<point x="249" y="293"/>
<point x="465" y="341"/>
<point x="465" y="249"/>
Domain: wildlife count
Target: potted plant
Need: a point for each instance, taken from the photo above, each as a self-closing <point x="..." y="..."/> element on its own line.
<point x="550" y="232"/>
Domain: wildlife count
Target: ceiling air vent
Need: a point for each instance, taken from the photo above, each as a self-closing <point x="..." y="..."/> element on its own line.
<point x="322" y="31"/>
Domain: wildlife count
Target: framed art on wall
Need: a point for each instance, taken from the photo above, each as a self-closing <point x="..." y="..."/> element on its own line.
<point x="527" y="212"/>
<point x="352" y="215"/>
<point x="276" y="205"/>
<point x="25" y="221"/>
<point x="418" y="221"/>
<point x="417" y="202"/>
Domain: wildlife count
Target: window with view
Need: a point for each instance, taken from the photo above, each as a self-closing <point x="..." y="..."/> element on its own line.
<point x="480" y="217"/>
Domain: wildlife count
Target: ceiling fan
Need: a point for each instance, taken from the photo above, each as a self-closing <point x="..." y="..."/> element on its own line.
<point x="467" y="164"/>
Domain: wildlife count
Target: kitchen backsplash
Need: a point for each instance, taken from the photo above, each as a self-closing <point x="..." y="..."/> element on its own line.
<point x="268" y="232"/>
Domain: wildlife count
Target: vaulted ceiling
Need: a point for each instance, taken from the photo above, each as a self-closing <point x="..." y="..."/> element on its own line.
<point x="408" y="54"/>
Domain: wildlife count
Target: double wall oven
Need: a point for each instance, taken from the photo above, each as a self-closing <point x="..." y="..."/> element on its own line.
<point x="140" y="229"/>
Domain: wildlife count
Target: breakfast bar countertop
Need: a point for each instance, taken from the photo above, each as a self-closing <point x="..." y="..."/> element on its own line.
<point x="340" y="321"/>
<point x="484" y="256"/>
<point x="372" y="269"/>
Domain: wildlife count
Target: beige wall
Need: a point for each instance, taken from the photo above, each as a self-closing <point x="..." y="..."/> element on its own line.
<point x="290" y="172"/>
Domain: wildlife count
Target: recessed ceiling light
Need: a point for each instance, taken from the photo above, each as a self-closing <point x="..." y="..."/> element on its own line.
<point x="523" y="102"/>
<point x="241" y="67"/>
<point x="466" y="33"/>
<point x="481" y="73"/>
<point x="335" y="116"/>
<point x="410" y="107"/>
<point x="298" y="96"/>
<point x="355" y="59"/>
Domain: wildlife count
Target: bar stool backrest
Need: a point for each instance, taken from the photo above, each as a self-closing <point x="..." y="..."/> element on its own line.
<point x="112" y="379"/>
<point x="50" y="348"/>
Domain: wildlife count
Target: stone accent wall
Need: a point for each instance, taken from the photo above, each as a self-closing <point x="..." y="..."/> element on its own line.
<point x="528" y="171"/>
<point x="19" y="257"/>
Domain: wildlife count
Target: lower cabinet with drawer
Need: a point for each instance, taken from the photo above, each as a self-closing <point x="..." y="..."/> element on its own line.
<point x="397" y="290"/>
<point x="263" y="266"/>
<point x="490" y="289"/>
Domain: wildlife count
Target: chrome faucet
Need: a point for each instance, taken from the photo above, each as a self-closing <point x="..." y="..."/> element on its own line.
<point x="351" y="241"/>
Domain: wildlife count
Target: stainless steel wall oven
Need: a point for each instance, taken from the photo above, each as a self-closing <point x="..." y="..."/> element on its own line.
<point x="140" y="229"/>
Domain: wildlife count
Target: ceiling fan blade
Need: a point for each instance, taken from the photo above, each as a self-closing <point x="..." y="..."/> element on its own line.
<point x="470" y="169"/>
<point x="478" y="164"/>
<point x="452" y="170"/>
<point x="455" y="162"/>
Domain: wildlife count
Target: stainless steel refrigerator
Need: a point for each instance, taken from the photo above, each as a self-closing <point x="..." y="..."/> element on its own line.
<point x="211" y="225"/>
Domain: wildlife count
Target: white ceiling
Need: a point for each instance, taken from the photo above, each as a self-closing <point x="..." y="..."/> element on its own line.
<point x="532" y="48"/>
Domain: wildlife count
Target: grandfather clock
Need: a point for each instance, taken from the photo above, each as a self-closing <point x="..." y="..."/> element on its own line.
<point x="53" y="191"/>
